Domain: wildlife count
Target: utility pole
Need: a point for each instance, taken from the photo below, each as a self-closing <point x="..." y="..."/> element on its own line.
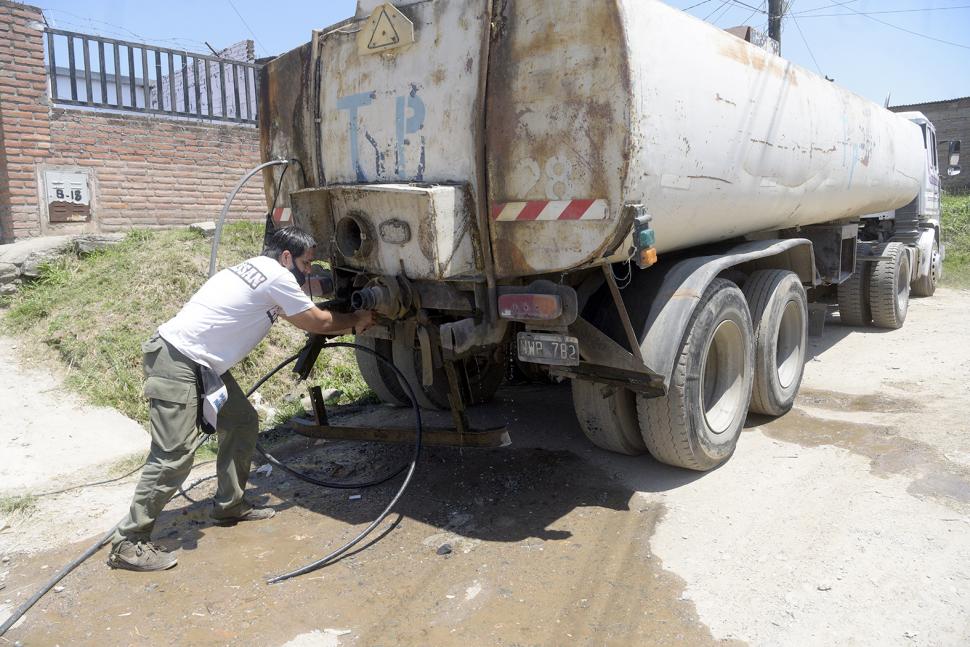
<point x="775" y="11"/>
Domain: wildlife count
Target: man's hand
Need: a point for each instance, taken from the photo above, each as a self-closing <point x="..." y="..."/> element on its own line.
<point x="325" y="322"/>
<point x="365" y="319"/>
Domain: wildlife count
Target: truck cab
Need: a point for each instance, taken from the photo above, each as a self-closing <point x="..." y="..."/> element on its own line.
<point x="916" y="225"/>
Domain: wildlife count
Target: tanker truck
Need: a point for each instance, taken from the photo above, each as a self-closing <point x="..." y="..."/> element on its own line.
<point x="612" y="193"/>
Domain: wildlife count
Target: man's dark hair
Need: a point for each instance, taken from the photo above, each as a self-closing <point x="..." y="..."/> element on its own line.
<point x="288" y="239"/>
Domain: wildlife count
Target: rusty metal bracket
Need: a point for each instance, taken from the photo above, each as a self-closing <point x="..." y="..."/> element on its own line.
<point x="456" y="399"/>
<point x="319" y="406"/>
<point x="631" y="336"/>
<point x="427" y="361"/>
<point x="461" y="435"/>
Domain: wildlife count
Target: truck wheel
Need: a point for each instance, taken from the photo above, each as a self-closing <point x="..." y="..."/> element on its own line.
<point x="889" y="287"/>
<point x="608" y="417"/>
<point x="925" y="286"/>
<point x="480" y="375"/>
<point x="697" y="423"/>
<point x="854" y="297"/>
<point x="376" y="374"/>
<point x="779" y="315"/>
<point x="407" y="357"/>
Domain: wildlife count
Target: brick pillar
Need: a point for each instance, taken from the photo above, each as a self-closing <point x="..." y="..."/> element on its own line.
<point x="24" y="118"/>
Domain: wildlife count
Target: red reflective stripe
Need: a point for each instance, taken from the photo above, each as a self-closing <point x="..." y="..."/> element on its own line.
<point x="497" y="210"/>
<point x="277" y="214"/>
<point x="532" y="210"/>
<point x="576" y="209"/>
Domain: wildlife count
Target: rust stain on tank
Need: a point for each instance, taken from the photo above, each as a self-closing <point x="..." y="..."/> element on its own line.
<point x="578" y="124"/>
<point x="508" y="253"/>
<point x="438" y="76"/>
<point x="282" y="116"/>
<point x="426" y="238"/>
<point x="754" y="57"/>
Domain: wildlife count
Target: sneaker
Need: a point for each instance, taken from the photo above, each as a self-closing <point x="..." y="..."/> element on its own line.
<point x="141" y="556"/>
<point x="252" y="514"/>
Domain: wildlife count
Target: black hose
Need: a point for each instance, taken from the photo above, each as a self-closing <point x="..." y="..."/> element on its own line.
<point x="51" y="583"/>
<point x="306" y="477"/>
<point x="327" y="559"/>
<point x="320" y="563"/>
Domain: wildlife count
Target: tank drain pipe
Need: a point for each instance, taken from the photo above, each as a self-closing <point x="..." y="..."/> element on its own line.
<point x="225" y="209"/>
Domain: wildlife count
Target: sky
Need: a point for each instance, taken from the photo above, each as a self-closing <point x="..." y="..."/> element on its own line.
<point x="917" y="50"/>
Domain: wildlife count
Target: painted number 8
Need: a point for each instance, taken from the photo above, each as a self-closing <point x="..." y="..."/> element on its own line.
<point x="558" y="171"/>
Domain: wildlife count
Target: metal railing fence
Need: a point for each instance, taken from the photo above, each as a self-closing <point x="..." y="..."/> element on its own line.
<point x="99" y="72"/>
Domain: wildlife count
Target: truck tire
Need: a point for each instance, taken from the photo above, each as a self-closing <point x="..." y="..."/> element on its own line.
<point x="608" y="417"/>
<point x="925" y="286"/>
<point x="854" y="297"/>
<point x="779" y="315"/>
<point x="407" y="358"/>
<point x="889" y="287"/>
<point x="696" y="425"/>
<point x="480" y="376"/>
<point x="381" y="380"/>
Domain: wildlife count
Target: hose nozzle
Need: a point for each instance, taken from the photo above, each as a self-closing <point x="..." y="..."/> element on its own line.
<point x="383" y="295"/>
<point x="371" y="298"/>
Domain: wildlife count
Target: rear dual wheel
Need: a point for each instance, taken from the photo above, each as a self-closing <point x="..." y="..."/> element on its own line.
<point x="608" y="416"/>
<point x="889" y="287"/>
<point x="877" y="293"/>
<point x="779" y="315"/>
<point x="697" y="424"/>
<point x="853" y="294"/>
<point x="479" y="375"/>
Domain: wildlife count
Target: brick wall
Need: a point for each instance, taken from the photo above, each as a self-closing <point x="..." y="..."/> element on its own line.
<point x="952" y="121"/>
<point x="24" y="123"/>
<point x="143" y="171"/>
<point x="157" y="172"/>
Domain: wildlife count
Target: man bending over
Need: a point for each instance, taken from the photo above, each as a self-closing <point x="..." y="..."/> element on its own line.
<point x="190" y="357"/>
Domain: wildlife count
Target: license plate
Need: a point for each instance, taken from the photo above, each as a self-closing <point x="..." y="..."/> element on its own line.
<point x="545" y="348"/>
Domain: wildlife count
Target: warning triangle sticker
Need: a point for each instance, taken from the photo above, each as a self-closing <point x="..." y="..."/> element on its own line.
<point x="384" y="33"/>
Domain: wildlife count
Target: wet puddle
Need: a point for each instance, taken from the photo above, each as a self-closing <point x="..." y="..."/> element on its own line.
<point x="545" y="550"/>
<point x="889" y="452"/>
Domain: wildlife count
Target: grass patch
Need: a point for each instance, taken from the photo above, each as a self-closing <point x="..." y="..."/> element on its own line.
<point x="956" y="235"/>
<point x="24" y="504"/>
<point x="92" y="314"/>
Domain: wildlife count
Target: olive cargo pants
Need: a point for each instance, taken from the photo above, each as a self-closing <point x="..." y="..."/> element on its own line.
<point x="170" y="385"/>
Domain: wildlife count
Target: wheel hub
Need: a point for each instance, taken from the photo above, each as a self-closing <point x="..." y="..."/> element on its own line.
<point x="722" y="388"/>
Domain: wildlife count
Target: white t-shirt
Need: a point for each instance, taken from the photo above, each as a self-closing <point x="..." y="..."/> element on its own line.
<point x="233" y="311"/>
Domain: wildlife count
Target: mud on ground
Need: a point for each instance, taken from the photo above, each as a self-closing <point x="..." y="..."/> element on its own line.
<point x="846" y="521"/>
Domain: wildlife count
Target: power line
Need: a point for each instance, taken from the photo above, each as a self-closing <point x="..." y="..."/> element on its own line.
<point x="908" y="31"/>
<point x="751" y="15"/>
<point x="722" y="5"/>
<point x="743" y="4"/>
<point x="872" y="13"/>
<point x="255" y="38"/>
<point x="697" y="5"/>
<point x="723" y="13"/>
<point x="824" y="8"/>
<point x="807" y="46"/>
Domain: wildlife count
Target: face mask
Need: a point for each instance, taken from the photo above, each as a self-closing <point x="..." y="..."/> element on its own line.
<point x="298" y="274"/>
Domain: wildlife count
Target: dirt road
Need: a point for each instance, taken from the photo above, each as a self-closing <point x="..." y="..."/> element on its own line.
<point x="846" y="521"/>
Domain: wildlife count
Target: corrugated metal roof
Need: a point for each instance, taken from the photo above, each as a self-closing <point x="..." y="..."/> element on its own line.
<point x="926" y="103"/>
